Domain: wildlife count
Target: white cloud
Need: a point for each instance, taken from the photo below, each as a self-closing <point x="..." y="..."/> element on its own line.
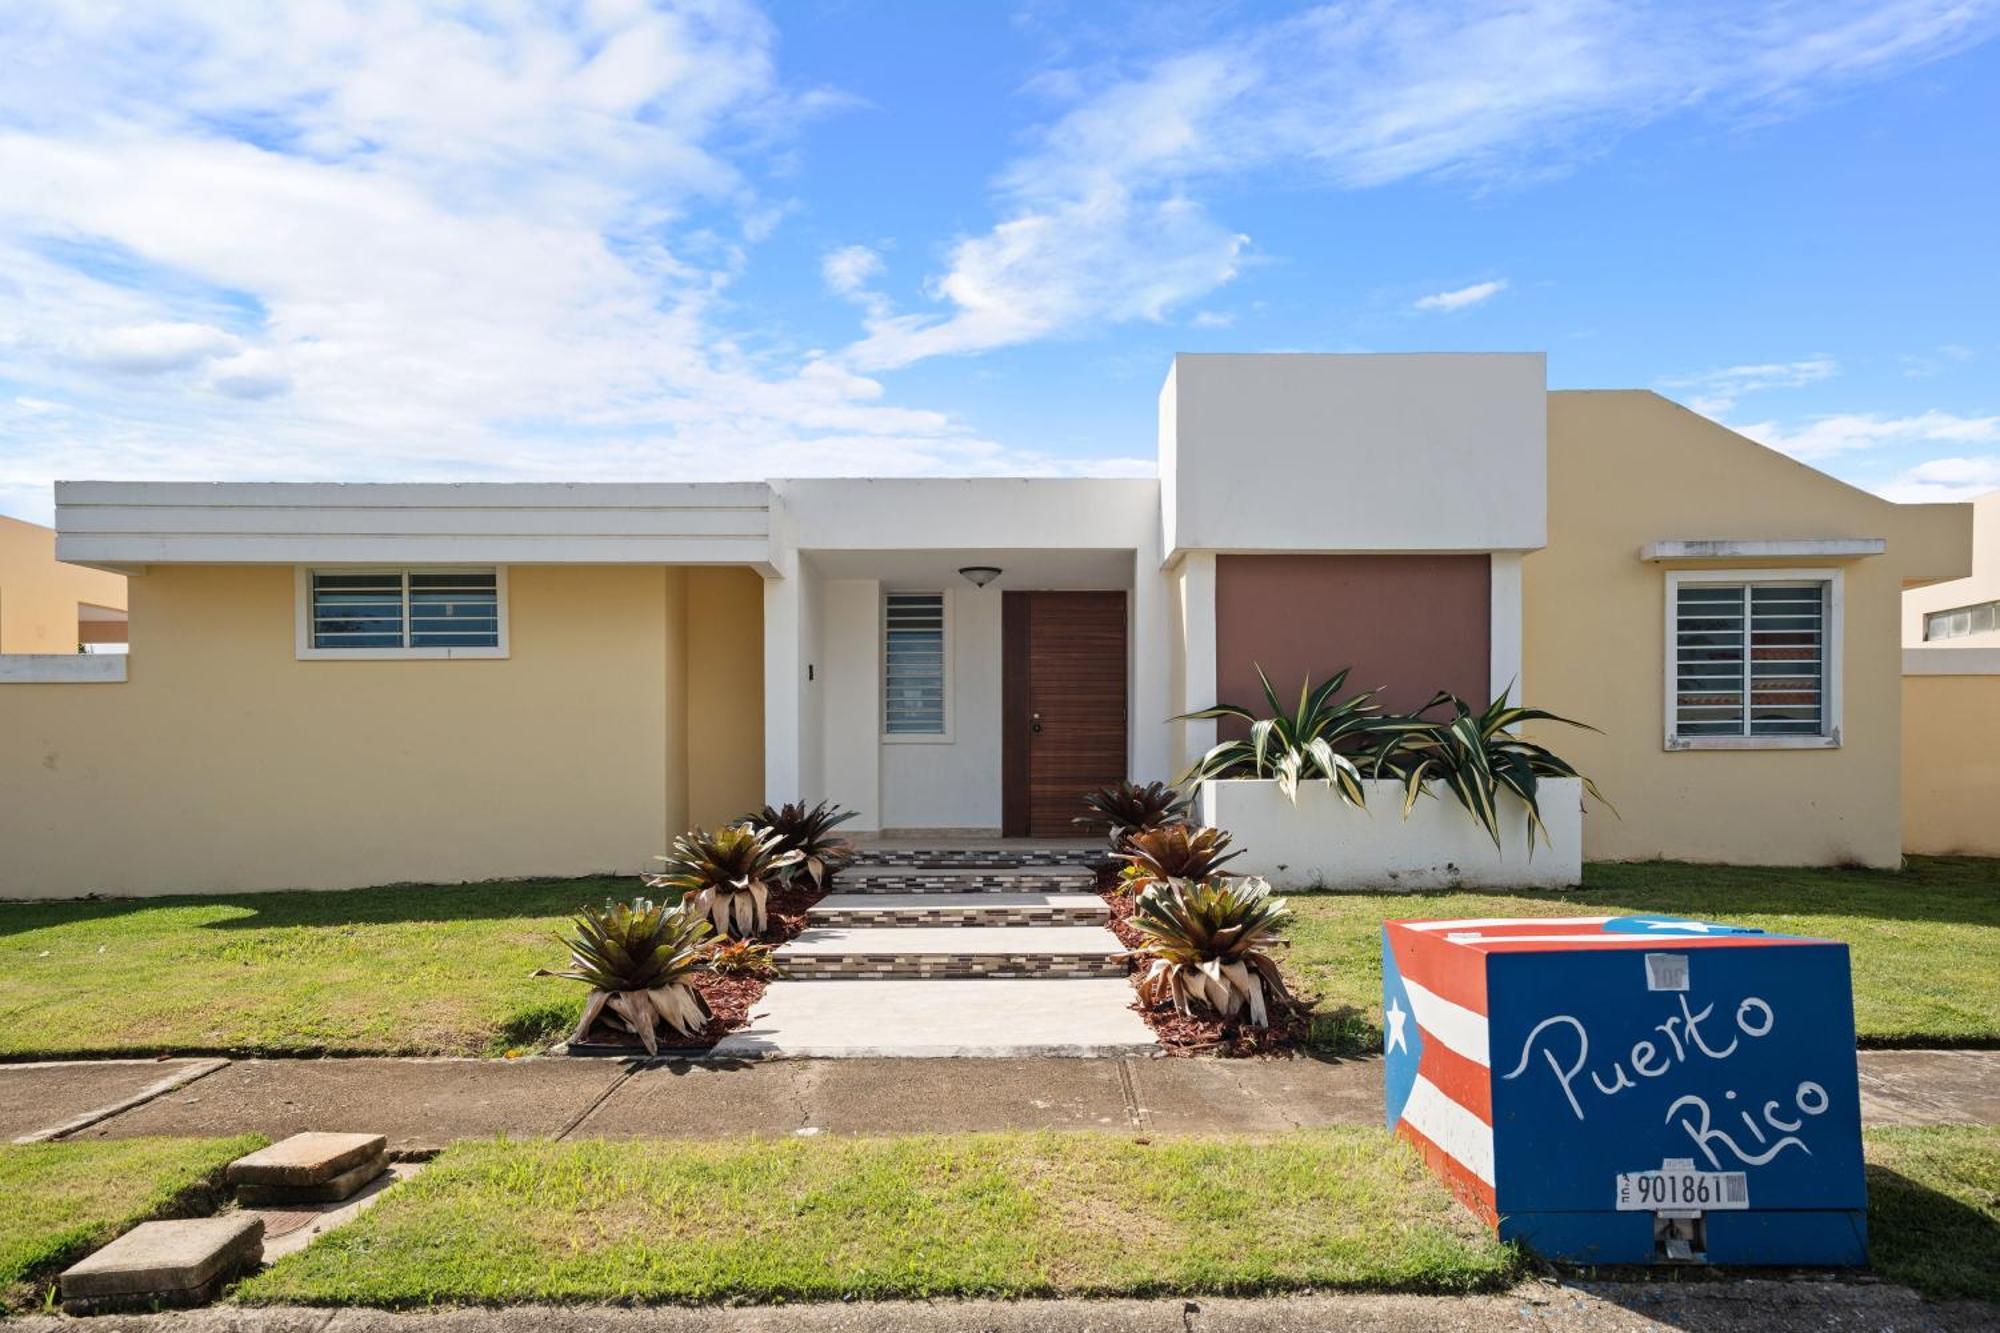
<point x="850" y="269"/>
<point x="1713" y="392"/>
<point x="1212" y="319"/>
<point x="1103" y="221"/>
<point x="346" y="240"/>
<point x="1460" y="298"/>
<point x="149" y="349"/>
<point x="1855" y="432"/>
<point x="1945" y="480"/>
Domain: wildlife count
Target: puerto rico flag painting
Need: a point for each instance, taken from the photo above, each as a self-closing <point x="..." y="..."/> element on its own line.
<point x="1631" y="1089"/>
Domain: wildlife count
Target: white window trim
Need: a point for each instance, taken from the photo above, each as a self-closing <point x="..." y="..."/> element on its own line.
<point x="1834" y="645"/>
<point x="947" y="598"/>
<point x="302" y="644"/>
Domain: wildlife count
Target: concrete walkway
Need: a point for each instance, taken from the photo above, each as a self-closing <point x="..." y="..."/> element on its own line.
<point x="1755" y="1306"/>
<point x="424" y="1104"/>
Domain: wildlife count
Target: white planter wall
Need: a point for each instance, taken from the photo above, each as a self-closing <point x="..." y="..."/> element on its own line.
<point x="1322" y="842"/>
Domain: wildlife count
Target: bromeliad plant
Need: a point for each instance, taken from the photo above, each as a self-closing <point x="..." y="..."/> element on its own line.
<point x="1317" y="739"/>
<point x="725" y="875"/>
<point x="1207" y="944"/>
<point x="1477" y="756"/>
<point x="1128" y="808"/>
<point x="637" y="959"/>
<point x="1177" y="851"/>
<point x="809" y="832"/>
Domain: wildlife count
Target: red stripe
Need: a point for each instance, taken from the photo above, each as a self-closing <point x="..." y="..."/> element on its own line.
<point x="1467" y="1188"/>
<point x="1443" y="969"/>
<point x="1466" y="1082"/>
<point x="1674" y="944"/>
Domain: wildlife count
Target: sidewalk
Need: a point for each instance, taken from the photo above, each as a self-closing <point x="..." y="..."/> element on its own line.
<point x="422" y="1105"/>
<point x="1757" y="1306"/>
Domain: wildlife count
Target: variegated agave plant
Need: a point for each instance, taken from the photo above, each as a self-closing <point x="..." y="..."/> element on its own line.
<point x="636" y="958"/>
<point x="1206" y="944"/>
<point x="725" y="875"/>
<point x="808" y="830"/>
<point x="1176" y="851"/>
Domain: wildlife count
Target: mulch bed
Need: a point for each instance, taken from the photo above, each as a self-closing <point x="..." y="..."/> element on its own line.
<point x="730" y="999"/>
<point x="1180" y="1035"/>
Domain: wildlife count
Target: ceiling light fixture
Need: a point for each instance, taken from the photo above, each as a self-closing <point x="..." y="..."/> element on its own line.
<point x="980" y="575"/>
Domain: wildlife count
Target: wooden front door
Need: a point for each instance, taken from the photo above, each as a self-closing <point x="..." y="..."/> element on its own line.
<point x="1063" y="714"/>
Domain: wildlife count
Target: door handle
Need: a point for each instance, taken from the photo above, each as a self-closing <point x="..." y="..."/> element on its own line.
<point x="1034" y="722"/>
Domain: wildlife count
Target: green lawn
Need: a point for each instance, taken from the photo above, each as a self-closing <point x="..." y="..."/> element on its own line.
<point x="1934" y="1209"/>
<point x="974" y="1215"/>
<point x="1925" y="941"/>
<point x="58" y="1201"/>
<point x="417" y="970"/>
<point x="409" y="970"/>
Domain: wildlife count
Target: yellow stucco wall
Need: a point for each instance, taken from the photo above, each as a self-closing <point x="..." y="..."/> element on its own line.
<point x="725" y="694"/>
<point x="39" y="594"/>
<point x="1951" y="765"/>
<point x="224" y="763"/>
<point x="1628" y="468"/>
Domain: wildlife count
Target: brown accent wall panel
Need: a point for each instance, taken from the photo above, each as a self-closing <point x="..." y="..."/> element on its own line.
<point x="1409" y="625"/>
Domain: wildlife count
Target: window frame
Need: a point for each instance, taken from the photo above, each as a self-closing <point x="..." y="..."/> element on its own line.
<point x="1833" y="649"/>
<point x="945" y="599"/>
<point x="302" y="639"/>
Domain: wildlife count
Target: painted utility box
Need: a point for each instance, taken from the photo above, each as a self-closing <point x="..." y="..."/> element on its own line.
<point x="1632" y="1089"/>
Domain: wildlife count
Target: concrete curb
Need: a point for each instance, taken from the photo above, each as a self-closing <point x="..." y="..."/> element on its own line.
<point x="180" y="1078"/>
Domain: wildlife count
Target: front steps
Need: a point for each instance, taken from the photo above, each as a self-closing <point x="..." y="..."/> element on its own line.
<point x="831" y="953"/>
<point x="879" y="877"/>
<point x="979" y="951"/>
<point x="879" y="908"/>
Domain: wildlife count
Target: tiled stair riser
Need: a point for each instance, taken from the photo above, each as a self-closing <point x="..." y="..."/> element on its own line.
<point x="1083" y="914"/>
<point x="947" y="858"/>
<point x="1003" y="881"/>
<point x="864" y="967"/>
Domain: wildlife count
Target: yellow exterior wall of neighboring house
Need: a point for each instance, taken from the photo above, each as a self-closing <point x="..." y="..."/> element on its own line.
<point x="225" y="764"/>
<point x="1951" y="765"/>
<point x="1627" y="468"/>
<point x="39" y="595"/>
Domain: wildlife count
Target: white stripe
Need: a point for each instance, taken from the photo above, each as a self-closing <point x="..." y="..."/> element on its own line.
<point x="1589" y="941"/>
<point x="1456" y="1027"/>
<point x="1480" y="922"/>
<point x="1451" y="1127"/>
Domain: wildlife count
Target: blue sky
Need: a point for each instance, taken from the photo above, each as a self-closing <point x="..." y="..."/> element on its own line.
<point x="608" y="239"/>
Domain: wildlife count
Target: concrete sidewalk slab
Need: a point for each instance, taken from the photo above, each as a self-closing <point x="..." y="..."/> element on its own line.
<point x="685" y="1099"/>
<point x="1728" y="1306"/>
<point x="956" y="1096"/>
<point x="1200" y="1096"/>
<point x="418" y="1104"/>
<point x="927" y="1018"/>
<point x="1930" y="1087"/>
<point x="36" y="1100"/>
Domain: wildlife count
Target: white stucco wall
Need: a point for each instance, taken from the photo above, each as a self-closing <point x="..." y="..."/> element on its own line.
<point x="1357" y="453"/>
<point x="849" y="671"/>
<point x="955" y="783"/>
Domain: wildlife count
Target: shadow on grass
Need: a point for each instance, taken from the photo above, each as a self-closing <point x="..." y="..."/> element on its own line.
<point x="1934" y="889"/>
<point x="1926" y="1239"/>
<point x="393" y="904"/>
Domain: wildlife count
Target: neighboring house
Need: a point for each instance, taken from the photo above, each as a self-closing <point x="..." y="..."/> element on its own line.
<point x="50" y="607"/>
<point x="1951" y="702"/>
<point x="337" y="685"/>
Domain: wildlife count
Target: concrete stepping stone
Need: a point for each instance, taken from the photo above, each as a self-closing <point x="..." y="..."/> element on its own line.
<point x="309" y="1168"/>
<point x="959" y="909"/>
<point x="181" y="1263"/>
<point x="921" y="1019"/>
<point x="1056" y="952"/>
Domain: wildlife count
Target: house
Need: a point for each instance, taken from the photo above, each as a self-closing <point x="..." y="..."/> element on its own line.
<point x="50" y="607"/>
<point x="1951" y="702"/>
<point x="333" y="685"/>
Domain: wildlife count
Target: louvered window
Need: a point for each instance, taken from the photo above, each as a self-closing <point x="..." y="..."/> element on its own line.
<point x="914" y="661"/>
<point x="394" y="612"/>
<point x="1751" y="659"/>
